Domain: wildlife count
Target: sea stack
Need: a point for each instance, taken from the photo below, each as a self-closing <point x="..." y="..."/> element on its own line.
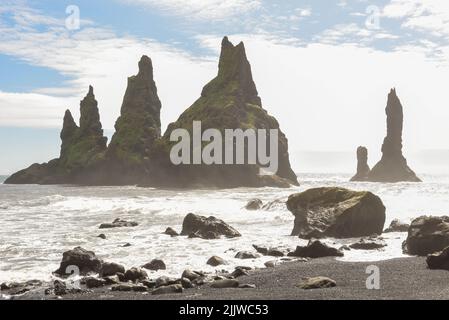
<point x="393" y="165"/>
<point x="231" y="101"/>
<point x="363" y="169"/>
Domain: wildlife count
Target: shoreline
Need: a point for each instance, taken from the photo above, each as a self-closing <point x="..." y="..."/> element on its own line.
<point x="403" y="278"/>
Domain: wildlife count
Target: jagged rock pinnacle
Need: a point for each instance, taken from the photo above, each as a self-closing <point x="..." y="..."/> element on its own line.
<point x="393" y="166"/>
<point x="234" y="75"/>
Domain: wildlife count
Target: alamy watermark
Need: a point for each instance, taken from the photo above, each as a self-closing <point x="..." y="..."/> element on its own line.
<point x="249" y="147"/>
<point x="373" y="280"/>
<point x="73" y="20"/>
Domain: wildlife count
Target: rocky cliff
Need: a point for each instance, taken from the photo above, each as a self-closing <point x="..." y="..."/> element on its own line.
<point x="138" y="154"/>
<point x="393" y="166"/>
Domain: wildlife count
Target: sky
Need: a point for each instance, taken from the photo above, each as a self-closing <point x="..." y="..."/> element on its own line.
<point x="322" y="68"/>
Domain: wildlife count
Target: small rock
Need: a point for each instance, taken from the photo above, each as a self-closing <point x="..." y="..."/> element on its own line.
<point x="191" y="275"/>
<point x="397" y="226"/>
<point x="270" y="264"/>
<point x="102" y="236"/>
<point x="94" y="282"/>
<point x="186" y="283"/>
<point x="171" y="232"/>
<point x="111" y="280"/>
<point x="367" y="244"/>
<point x="155" y="265"/>
<point x="207" y="227"/>
<point x="254" y="204"/>
<point x="228" y="283"/>
<point x="439" y="260"/>
<point x="60" y="288"/>
<point x="275" y="253"/>
<point x="316" y="249"/>
<point x="317" y="283"/>
<point x="261" y="250"/>
<point x="121" y="277"/>
<point x="118" y="223"/>
<point x="247" y="286"/>
<point x="246" y="255"/>
<point x="123" y="287"/>
<point x="170" y="289"/>
<point x="164" y="281"/>
<point x="126" y="245"/>
<point x="135" y="274"/>
<point x="216" y="261"/>
<point x="149" y="283"/>
<point x="239" y="272"/>
<point x="344" y="248"/>
<point x="111" y="269"/>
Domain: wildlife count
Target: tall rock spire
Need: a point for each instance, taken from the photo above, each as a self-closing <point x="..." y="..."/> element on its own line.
<point x="393" y="166"/>
<point x="139" y="124"/>
<point x="234" y="75"/>
<point x="82" y="145"/>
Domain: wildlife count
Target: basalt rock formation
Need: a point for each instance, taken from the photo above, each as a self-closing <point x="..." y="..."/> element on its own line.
<point x="138" y="127"/>
<point x="82" y="150"/>
<point x="393" y="165"/>
<point x="363" y="169"/>
<point x="139" y="155"/>
<point x="336" y="212"/>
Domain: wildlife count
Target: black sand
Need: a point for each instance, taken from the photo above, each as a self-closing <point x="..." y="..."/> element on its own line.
<point x="406" y="278"/>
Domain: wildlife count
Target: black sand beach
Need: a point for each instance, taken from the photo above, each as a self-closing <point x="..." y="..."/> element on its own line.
<point x="406" y="278"/>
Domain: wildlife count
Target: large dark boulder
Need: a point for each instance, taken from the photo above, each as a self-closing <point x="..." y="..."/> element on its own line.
<point x="86" y="261"/>
<point x="336" y="212"/>
<point x="316" y="249"/>
<point x="439" y="260"/>
<point x="201" y="226"/>
<point x="427" y="235"/>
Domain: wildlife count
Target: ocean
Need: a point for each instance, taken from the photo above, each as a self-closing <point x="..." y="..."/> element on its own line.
<point x="39" y="223"/>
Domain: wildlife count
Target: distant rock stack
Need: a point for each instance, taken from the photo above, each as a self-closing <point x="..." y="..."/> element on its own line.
<point x="393" y="166"/>
<point x="82" y="146"/>
<point x="363" y="169"/>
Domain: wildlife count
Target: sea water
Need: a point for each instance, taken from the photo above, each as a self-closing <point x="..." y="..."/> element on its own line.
<point x="39" y="223"/>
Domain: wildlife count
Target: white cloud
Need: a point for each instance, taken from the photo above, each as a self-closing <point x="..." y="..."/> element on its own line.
<point x="95" y="56"/>
<point x="423" y="15"/>
<point x="201" y="9"/>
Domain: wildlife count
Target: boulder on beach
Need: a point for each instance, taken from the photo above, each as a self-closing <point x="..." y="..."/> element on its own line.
<point x="118" y="223"/>
<point x="85" y="261"/>
<point x="397" y="226"/>
<point x="427" y="235"/>
<point x="111" y="269"/>
<point x="272" y="252"/>
<point x="254" y="204"/>
<point x="368" y="244"/>
<point x="170" y="289"/>
<point x="155" y="265"/>
<point x="171" y="232"/>
<point x="135" y="274"/>
<point x="439" y="260"/>
<point x="336" y="212"/>
<point x="317" y="283"/>
<point x="316" y="249"/>
<point x="247" y="255"/>
<point x="203" y="227"/>
<point x="215" y="261"/>
<point x="222" y="284"/>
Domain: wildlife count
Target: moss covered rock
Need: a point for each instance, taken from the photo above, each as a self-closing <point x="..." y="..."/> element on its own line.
<point x="336" y="212"/>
